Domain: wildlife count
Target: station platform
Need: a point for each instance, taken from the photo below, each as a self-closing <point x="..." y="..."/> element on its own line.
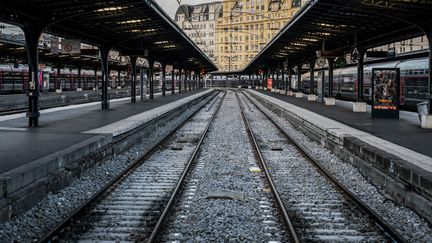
<point x="70" y="139"/>
<point x="405" y="131"/>
<point x="66" y="126"/>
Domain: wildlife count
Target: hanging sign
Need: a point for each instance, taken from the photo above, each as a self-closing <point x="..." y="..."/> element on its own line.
<point x="71" y="46"/>
<point x="386" y="90"/>
<point x="320" y="62"/>
<point x="355" y="55"/>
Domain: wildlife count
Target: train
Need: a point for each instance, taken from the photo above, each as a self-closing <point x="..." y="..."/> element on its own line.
<point x="14" y="79"/>
<point x="413" y="82"/>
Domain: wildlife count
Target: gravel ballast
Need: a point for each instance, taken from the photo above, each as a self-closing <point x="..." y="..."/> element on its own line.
<point x="223" y="200"/>
<point x="318" y="210"/>
<point x="404" y="220"/>
<point x="128" y="211"/>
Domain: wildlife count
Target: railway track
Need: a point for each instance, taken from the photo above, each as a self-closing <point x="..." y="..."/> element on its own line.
<point x="223" y="200"/>
<point x="319" y="207"/>
<point x="128" y="208"/>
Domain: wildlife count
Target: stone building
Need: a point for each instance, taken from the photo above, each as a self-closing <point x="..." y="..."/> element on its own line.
<point x="199" y="23"/>
<point x="246" y="26"/>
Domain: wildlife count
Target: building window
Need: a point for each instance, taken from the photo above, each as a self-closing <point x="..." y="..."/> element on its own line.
<point x="296" y="3"/>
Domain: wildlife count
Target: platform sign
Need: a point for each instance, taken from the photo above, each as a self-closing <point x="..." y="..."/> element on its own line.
<point x="70" y="46"/>
<point x="269" y="84"/>
<point x="386" y="90"/>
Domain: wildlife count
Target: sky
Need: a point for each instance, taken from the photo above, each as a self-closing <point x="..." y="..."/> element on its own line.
<point x="170" y="6"/>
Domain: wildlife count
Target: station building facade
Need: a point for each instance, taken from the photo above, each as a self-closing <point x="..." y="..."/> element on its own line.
<point x="246" y="26"/>
<point x="231" y="32"/>
<point x="199" y="23"/>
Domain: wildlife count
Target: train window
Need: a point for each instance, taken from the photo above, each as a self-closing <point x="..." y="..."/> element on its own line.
<point x="367" y="91"/>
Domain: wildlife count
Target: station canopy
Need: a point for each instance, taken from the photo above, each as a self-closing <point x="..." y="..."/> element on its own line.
<point x="341" y="25"/>
<point x="132" y="27"/>
<point x="14" y="52"/>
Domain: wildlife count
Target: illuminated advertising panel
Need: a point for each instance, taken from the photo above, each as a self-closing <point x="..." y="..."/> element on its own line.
<point x="269" y="84"/>
<point x="385" y="86"/>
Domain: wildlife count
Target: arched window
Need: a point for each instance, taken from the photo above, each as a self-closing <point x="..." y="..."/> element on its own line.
<point x="296" y="3"/>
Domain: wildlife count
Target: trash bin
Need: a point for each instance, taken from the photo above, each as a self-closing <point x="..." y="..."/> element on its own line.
<point x="422" y="109"/>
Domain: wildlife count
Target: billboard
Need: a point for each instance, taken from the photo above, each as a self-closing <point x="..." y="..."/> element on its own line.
<point x="386" y="90"/>
<point x="269" y="84"/>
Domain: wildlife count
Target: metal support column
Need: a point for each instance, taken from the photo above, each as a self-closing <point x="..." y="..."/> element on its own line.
<point x="289" y="79"/>
<point x="360" y="67"/>
<point x="273" y="79"/>
<point x="284" y="81"/>
<point x="173" y="80"/>
<point x="142" y="93"/>
<point x="312" y="77"/>
<point x="58" y="85"/>
<point x="133" y="60"/>
<point x="330" y="75"/>
<point x="185" y="80"/>
<point x="96" y="83"/>
<point x="299" y="80"/>
<point x="189" y="81"/>
<point x="105" y="74"/>
<point x="119" y="77"/>
<point x="79" y="77"/>
<point x="32" y="34"/>
<point x="163" y="79"/>
<point x="150" y="78"/>
<point x="192" y="81"/>
<point x="180" y="80"/>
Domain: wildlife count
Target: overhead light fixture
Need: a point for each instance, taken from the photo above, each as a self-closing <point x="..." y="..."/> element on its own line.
<point x="133" y="21"/>
<point x="310" y="39"/>
<point x="325" y="33"/>
<point x="110" y="9"/>
<point x="160" y="42"/>
<point x="298" y="44"/>
<point x="169" y="46"/>
<point x="142" y="30"/>
<point x="326" y="25"/>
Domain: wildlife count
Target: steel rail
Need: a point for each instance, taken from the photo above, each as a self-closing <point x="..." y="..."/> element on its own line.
<point x="50" y="236"/>
<point x="155" y="233"/>
<point x="13" y="111"/>
<point x="386" y="227"/>
<point x="285" y="215"/>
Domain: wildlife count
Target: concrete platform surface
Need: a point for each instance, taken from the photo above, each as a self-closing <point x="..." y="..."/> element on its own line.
<point x="405" y="132"/>
<point x="65" y="126"/>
